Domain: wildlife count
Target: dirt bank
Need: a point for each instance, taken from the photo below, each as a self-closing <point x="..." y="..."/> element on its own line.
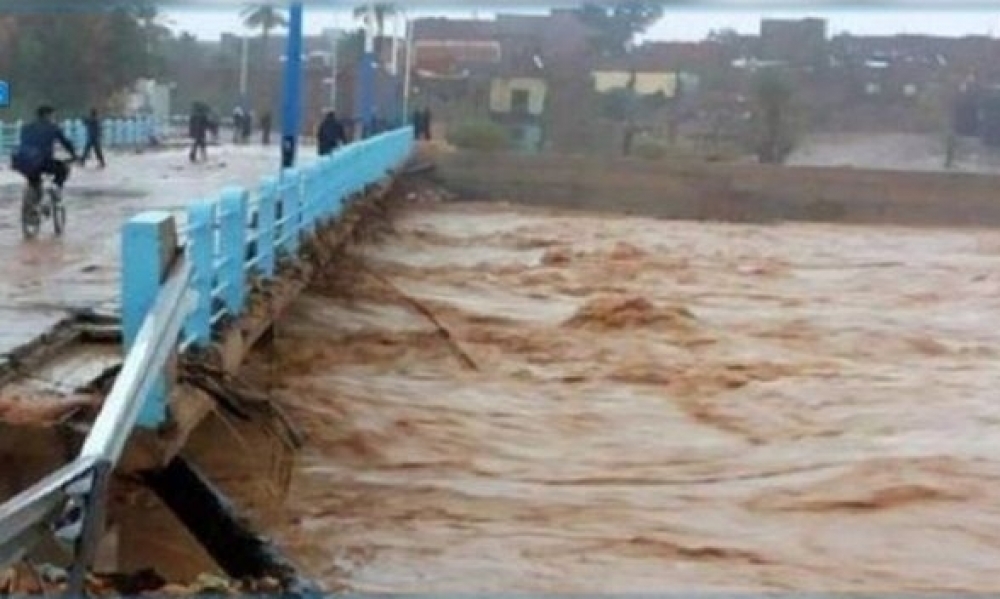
<point x="647" y="406"/>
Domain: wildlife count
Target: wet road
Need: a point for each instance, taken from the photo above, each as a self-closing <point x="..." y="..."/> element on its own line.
<point x="40" y="279"/>
<point x="650" y="406"/>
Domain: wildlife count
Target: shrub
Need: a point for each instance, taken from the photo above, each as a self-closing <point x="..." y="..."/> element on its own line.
<point x="484" y="136"/>
<point x="649" y="149"/>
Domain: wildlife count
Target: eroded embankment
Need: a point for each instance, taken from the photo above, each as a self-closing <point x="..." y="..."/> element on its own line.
<point x="499" y="398"/>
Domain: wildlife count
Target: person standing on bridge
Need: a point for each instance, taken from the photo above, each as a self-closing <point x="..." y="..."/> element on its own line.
<point x="198" y="129"/>
<point x="93" y="125"/>
<point x="330" y="135"/>
<point x="265" y="128"/>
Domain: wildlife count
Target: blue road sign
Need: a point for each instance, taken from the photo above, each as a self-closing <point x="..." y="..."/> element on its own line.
<point x="4" y="94"/>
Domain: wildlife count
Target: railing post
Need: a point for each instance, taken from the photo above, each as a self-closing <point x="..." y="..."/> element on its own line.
<point x="233" y="248"/>
<point x="339" y="181"/>
<point x="265" y="225"/>
<point x="291" y="206"/>
<point x="310" y="194"/>
<point x="149" y="244"/>
<point x="201" y="252"/>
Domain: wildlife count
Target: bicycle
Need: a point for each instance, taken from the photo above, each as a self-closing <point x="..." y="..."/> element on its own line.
<point x="35" y="209"/>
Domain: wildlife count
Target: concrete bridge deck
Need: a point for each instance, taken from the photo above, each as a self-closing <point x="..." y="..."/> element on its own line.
<point x="44" y="281"/>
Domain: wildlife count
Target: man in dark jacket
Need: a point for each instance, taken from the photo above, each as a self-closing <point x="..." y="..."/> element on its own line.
<point x="425" y="123"/>
<point x="198" y="129"/>
<point x="36" y="154"/>
<point x="330" y="134"/>
<point x="265" y="128"/>
<point x="93" y="126"/>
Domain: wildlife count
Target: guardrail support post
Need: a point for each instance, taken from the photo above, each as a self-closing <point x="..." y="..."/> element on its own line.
<point x="291" y="207"/>
<point x="233" y="247"/>
<point x="149" y="244"/>
<point x="265" y="225"/>
<point x="201" y="252"/>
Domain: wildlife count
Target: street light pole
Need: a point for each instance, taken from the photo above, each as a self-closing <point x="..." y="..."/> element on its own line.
<point x="409" y="68"/>
<point x="243" y="70"/>
<point x="334" y="40"/>
<point x="366" y="76"/>
<point x="292" y="102"/>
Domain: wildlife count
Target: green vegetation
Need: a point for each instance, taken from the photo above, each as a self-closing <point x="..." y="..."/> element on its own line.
<point x="479" y="135"/>
<point x="650" y="149"/>
<point x="774" y="137"/>
<point x="616" y="26"/>
<point x="78" y="59"/>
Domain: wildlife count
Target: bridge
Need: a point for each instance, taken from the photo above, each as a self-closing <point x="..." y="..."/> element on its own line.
<point x="199" y="282"/>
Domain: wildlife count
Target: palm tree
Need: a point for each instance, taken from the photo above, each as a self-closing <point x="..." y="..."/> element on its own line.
<point x="382" y="10"/>
<point x="264" y="17"/>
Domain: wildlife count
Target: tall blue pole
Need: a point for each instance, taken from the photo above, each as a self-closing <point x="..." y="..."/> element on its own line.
<point x="292" y="93"/>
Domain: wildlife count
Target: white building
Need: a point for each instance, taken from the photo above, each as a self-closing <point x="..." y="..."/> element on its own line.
<point x="149" y="97"/>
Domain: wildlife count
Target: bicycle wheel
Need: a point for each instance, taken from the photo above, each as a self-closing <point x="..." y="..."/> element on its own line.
<point x="58" y="212"/>
<point x="31" y="218"/>
<point x="59" y="218"/>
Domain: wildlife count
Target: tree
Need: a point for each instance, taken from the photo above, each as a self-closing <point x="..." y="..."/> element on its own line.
<point x="75" y="61"/>
<point x="616" y="26"/>
<point x="382" y="10"/>
<point x="266" y="18"/>
<point x="773" y="97"/>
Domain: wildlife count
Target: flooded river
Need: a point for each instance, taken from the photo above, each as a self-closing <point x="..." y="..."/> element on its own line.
<point x="501" y="399"/>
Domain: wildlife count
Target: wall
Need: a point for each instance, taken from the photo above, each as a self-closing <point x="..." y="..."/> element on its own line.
<point x="729" y="192"/>
<point x="501" y="90"/>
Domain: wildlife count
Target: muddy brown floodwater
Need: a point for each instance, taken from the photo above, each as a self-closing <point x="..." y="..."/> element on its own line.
<point x="637" y="405"/>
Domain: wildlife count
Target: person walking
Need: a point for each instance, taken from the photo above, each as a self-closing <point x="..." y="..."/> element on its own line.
<point x="415" y="120"/>
<point x="238" y="116"/>
<point x="198" y="130"/>
<point x="425" y="124"/>
<point x="93" y="126"/>
<point x="265" y="128"/>
<point x="248" y="120"/>
<point x="330" y="134"/>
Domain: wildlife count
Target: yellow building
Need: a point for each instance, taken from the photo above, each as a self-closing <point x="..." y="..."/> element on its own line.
<point x="646" y="83"/>
<point x="523" y="96"/>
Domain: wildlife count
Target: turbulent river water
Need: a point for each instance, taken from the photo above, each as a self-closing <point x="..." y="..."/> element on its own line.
<point x="505" y="399"/>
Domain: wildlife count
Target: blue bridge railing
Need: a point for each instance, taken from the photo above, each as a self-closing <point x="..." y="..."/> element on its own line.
<point x="176" y="293"/>
<point x="242" y="234"/>
<point x="115" y="133"/>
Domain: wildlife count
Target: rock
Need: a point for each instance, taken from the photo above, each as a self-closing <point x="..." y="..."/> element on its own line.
<point x="210" y="583"/>
<point x="52" y="574"/>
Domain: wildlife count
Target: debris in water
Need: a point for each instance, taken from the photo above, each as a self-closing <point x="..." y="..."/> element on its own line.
<point x="558" y="256"/>
<point x="45" y="579"/>
<point x="609" y="313"/>
<point x="626" y="251"/>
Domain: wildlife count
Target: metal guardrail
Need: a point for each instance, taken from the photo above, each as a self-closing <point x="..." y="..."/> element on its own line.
<point x="69" y="502"/>
<point x="208" y="283"/>
<point x="115" y="133"/>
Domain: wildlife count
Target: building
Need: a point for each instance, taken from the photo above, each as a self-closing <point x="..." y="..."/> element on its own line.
<point x="518" y="98"/>
<point x="799" y="42"/>
<point x="445" y="47"/>
<point x="149" y="98"/>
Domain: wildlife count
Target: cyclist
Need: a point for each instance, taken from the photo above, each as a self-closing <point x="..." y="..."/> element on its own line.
<point x="36" y="155"/>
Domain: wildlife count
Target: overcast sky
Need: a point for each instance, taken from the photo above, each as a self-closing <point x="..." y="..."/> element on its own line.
<point x="678" y="24"/>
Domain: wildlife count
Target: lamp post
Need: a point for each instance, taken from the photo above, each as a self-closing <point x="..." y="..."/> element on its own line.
<point x="243" y="69"/>
<point x="409" y="68"/>
<point x="334" y="40"/>
<point x="366" y="75"/>
<point x="292" y="96"/>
